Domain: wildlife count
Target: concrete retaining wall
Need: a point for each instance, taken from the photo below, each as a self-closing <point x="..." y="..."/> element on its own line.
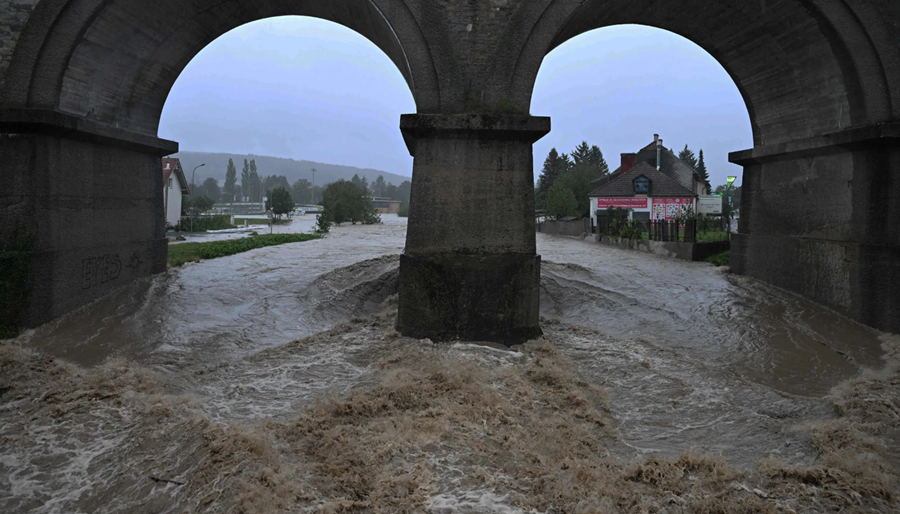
<point x="563" y="228"/>
<point x="673" y="249"/>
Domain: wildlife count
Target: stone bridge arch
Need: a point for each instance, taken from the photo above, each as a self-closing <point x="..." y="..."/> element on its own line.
<point x="114" y="62"/>
<point x="81" y="94"/>
<point x="80" y="103"/>
<point x="804" y="67"/>
<point x="821" y="81"/>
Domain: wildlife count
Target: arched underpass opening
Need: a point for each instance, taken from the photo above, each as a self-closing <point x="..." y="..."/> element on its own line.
<point x="106" y="69"/>
<point x="305" y="101"/>
<point x="810" y="183"/>
<point x="615" y="88"/>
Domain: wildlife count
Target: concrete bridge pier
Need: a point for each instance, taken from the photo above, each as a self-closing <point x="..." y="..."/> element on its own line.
<point x="470" y="269"/>
<point x="819" y="217"/>
<point x="91" y="198"/>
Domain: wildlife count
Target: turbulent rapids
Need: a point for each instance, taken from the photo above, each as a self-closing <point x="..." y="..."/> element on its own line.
<point x="274" y="381"/>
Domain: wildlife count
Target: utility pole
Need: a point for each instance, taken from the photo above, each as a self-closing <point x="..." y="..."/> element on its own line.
<point x="312" y="189"/>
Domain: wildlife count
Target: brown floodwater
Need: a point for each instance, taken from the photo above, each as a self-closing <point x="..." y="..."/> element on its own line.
<point x="273" y="381"/>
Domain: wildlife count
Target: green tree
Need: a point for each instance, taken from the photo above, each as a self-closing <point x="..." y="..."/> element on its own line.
<point x="246" y="181"/>
<point x="210" y="188"/>
<point x="561" y="202"/>
<point x="734" y="192"/>
<point x="365" y="185"/>
<point x="279" y="199"/>
<point x="301" y="190"/>
<point x="403" y="191"/>
<point x="581" y="153"/>
<point x="344" y="202"/>
<point x="701" y="168"/>
<point x="379" y="186"/>
<point x="566" y="160"/>
<point x="255" y="182"/>
<point x="317" y="194"/>
<point x="390" y="191"/>
<point x="554" y="166"/>
<point x="198" y="205"/>
<point x="356" y="181"/>
<point x="687" y="157"/>
<point x="230" y="180"/>
<point x="579" y="180"/>
<point x="595" y="159"/>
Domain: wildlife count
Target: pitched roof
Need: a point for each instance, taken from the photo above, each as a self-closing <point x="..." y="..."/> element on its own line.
<point x="173" y="165"/>
<point x="661" y="185"/>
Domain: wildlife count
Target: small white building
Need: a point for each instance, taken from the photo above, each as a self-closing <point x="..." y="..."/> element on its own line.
<point x="175" y="186"/>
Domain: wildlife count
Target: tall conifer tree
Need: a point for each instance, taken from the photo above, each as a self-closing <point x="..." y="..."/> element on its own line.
<point x="230" y="179"/>
<point x="246" y="181"/>
<point x="581" y="153"/>
<point x="687" y="156"/>
<point x="701" y="168"/>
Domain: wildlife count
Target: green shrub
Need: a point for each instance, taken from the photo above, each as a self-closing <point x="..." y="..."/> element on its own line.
<point x="204" y="223"/>
<point x="323" y="223"/>
<point x="404" y="210"/>
<point x="632" y="230"/>
<point x="720" y="259"/>
<point x="192" y="252"/>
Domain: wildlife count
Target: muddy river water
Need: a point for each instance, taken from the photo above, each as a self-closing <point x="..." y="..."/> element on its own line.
<point x="273" y="381"/>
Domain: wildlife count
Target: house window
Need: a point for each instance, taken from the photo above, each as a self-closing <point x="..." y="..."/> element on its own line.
<point x="642" y="185"/>
<point x="170" y="183"/>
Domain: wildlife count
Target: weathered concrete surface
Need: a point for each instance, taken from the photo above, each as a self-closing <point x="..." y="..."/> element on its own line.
<point x="93" y="207"/>
<point x="815" y="75"/>
<point x="479" y="297"/>
<point x="470" y="270"/>
<point x="818" y="218"/>
<point x="13" y="16"/>
<point x="565" y="228"/>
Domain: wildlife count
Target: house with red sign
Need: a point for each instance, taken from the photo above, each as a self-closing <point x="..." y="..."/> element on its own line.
<point x="647" y="193"/>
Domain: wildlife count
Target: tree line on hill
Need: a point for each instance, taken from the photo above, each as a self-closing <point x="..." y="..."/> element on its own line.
<point x="253" y="187"/>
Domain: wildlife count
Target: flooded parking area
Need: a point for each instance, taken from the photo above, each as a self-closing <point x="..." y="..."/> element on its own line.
<point x="273" y="381"/>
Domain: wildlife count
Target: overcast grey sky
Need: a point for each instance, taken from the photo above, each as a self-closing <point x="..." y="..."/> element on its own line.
<point x="308" y="89"/>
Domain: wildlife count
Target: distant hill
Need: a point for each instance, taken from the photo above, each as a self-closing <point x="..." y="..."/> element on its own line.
<point x="217" y="163"/>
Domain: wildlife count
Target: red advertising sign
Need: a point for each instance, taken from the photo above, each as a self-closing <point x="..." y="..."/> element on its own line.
<point x="622" y="203"/>
<point x="669" y="208"/>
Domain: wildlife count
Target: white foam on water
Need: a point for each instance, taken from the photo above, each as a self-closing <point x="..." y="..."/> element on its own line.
<point x="473" y="502"/>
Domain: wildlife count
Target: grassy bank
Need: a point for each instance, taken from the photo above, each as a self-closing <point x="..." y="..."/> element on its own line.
<point x="721" y="259"/>
<point x="193" y="252"/>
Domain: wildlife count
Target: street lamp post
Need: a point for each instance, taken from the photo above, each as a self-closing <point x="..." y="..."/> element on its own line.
<point x="192" y="190"/>
<point x="312" y="189"/>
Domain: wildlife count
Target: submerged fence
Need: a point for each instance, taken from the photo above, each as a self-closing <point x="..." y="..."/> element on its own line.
<point x="684" y="231"/>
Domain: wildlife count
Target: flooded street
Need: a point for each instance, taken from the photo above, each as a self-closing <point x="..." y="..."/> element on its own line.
<point x="273" y="381"/>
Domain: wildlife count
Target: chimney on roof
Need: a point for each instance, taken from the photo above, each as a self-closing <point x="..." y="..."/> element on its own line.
<point x="629" y="161"/>
<point x="658" y="150"/>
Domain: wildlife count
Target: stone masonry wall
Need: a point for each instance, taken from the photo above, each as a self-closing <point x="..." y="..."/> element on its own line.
<point x="13" y="16"/>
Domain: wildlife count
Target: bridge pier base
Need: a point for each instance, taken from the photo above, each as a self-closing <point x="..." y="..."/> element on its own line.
<point x="470" y="269"/>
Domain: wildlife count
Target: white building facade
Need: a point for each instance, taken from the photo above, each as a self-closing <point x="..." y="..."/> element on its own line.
<point x="175" y="187"/>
